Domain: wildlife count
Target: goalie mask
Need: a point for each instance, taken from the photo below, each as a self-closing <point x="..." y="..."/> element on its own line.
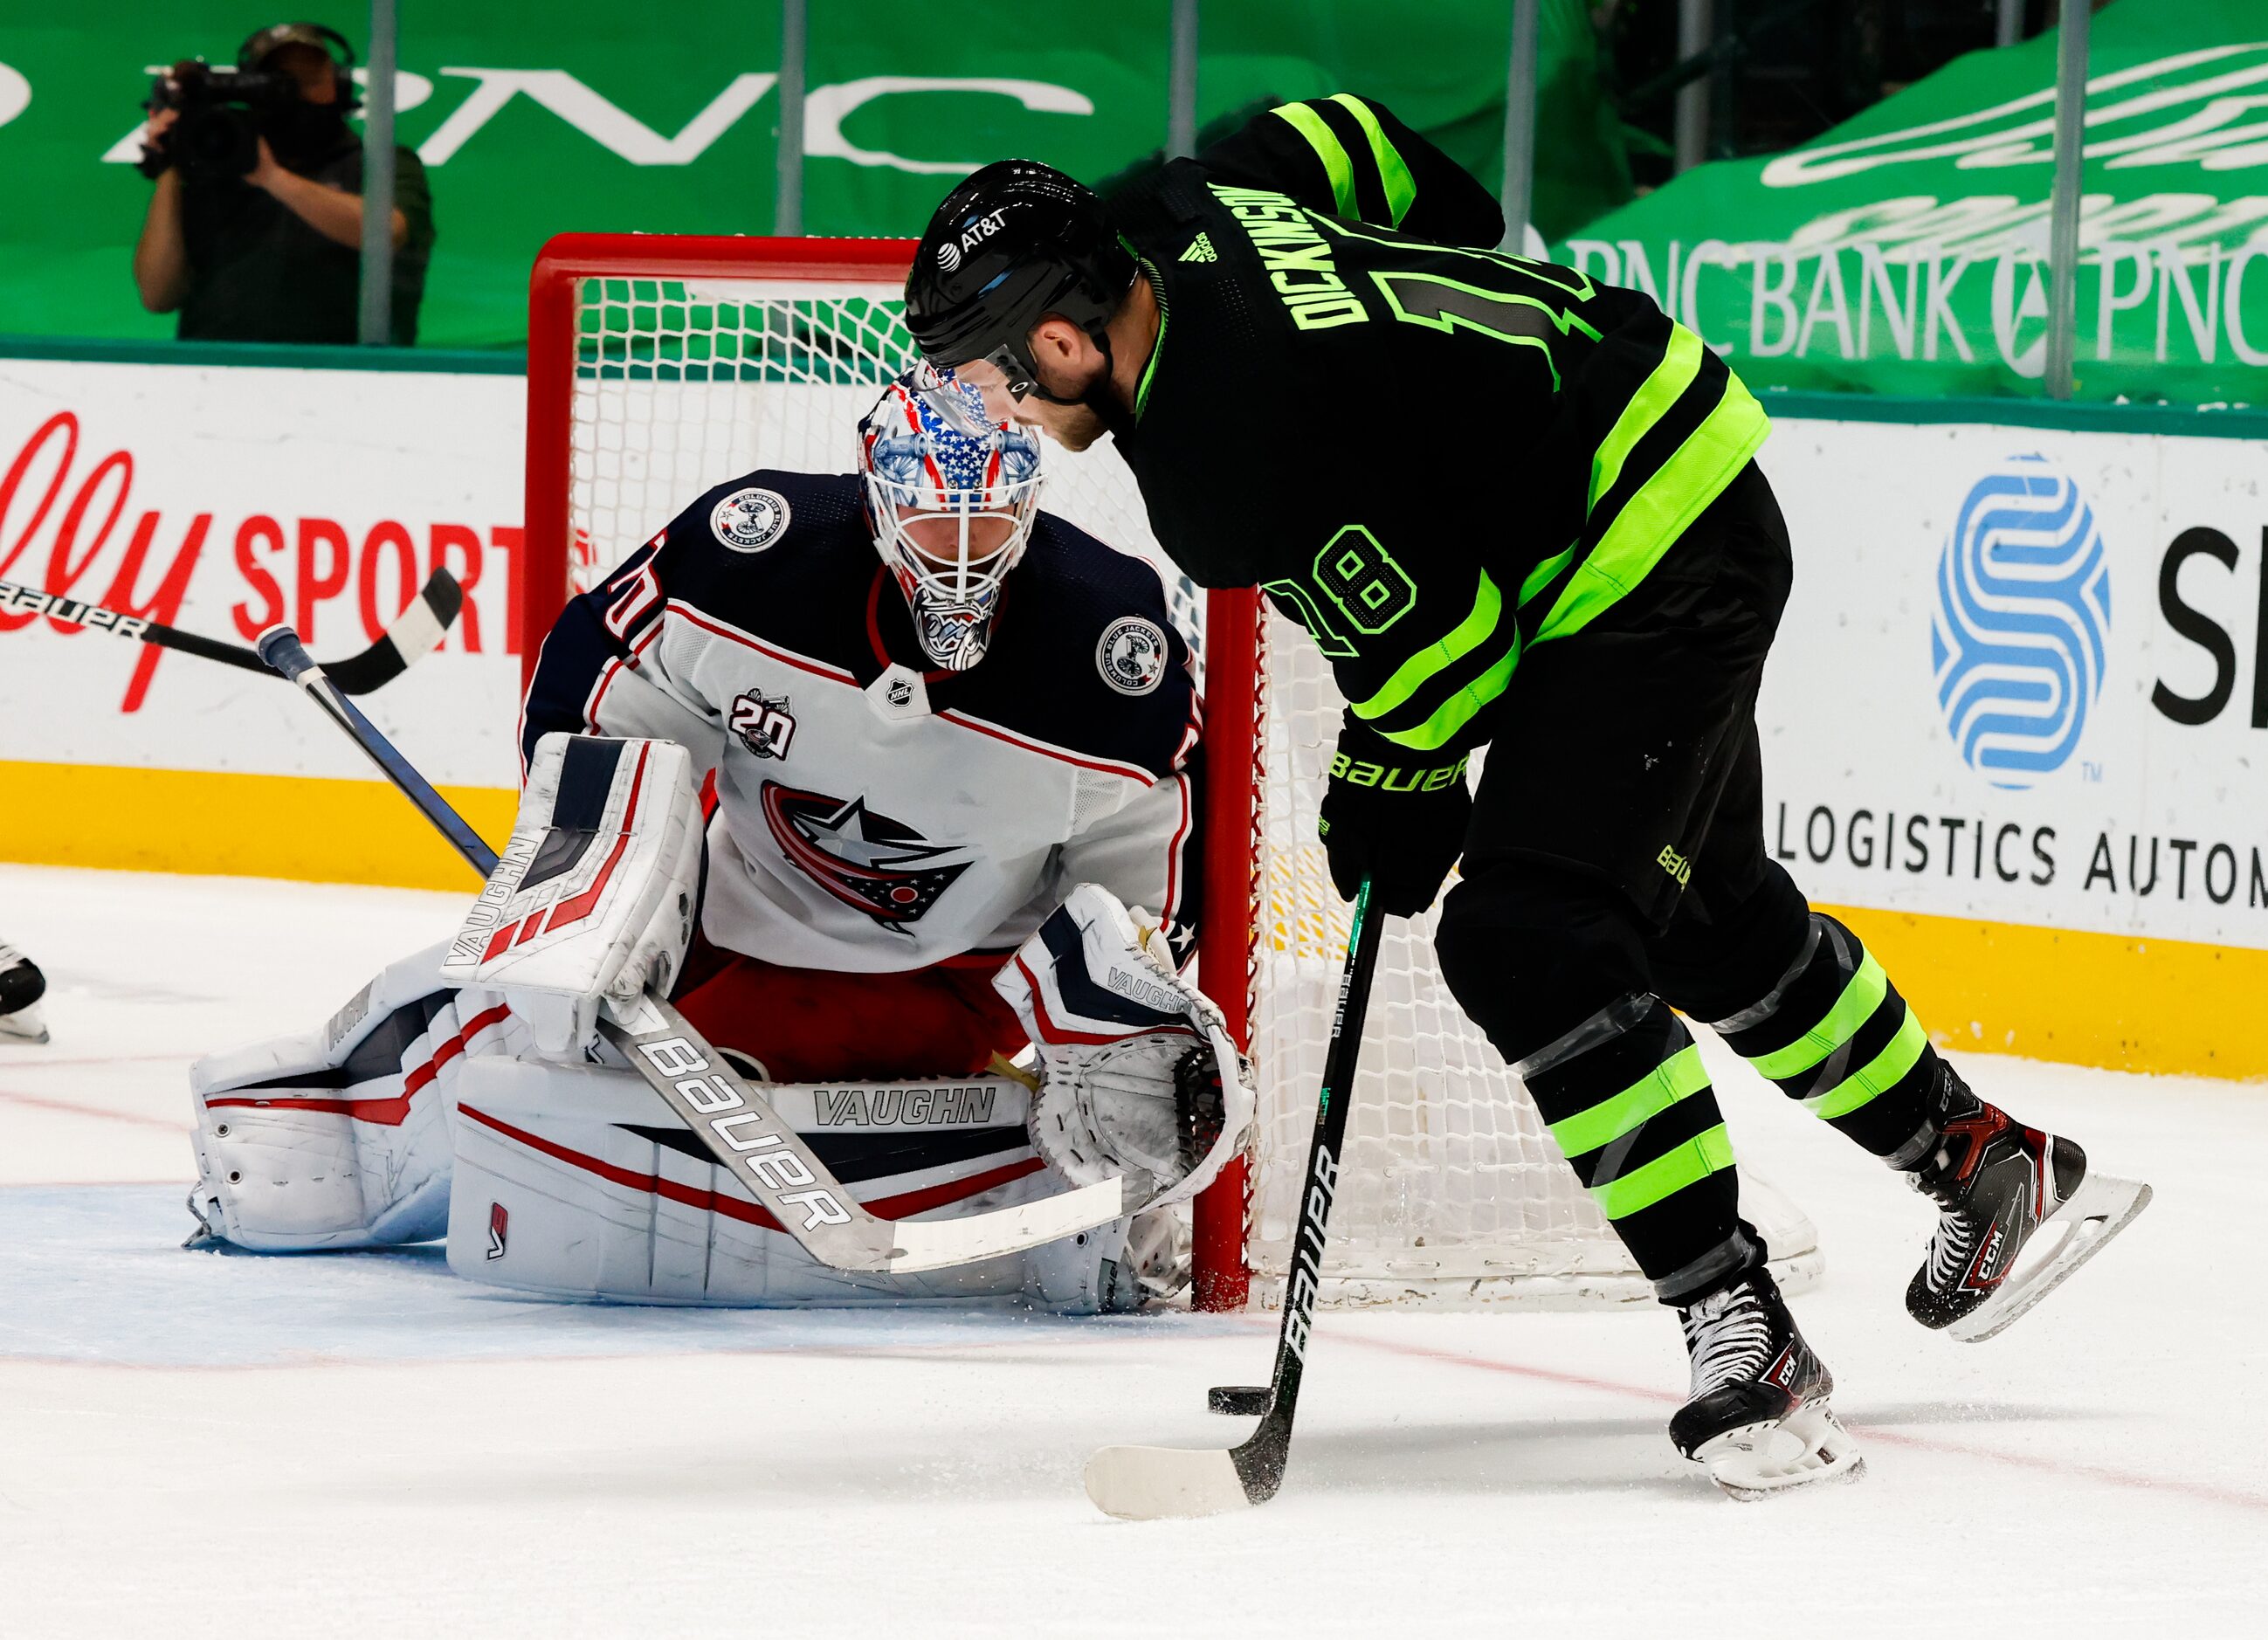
<point x="950" y="494"/>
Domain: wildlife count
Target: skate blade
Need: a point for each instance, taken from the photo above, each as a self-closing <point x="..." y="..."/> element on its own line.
<point x="25" y="1025"/>
<point x="2098" y="1209"/>
<point x="1761" y="1461"/>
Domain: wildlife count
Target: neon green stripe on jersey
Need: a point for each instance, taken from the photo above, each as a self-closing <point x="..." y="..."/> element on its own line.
<point x="1400" y="187"/>
<point x="1681" y="362"/>
<point x="1861" y="995"/>
<point x="1337" y="165"/>
<point x="1651" y="521"/>
<point x="1462" y="640"/>
<point x="1688" y="1163"/>
<point x="1678" y="1077"/>
<point x="1455" y="712"/>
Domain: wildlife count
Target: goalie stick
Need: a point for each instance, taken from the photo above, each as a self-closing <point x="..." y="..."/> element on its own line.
<point x="741" y="1132"/>
<point x="1157" y="1482"/>
<point x="413" y="634"/>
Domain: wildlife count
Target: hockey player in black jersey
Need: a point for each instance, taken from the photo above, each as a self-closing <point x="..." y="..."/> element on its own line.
<point x="1284" y="336"/>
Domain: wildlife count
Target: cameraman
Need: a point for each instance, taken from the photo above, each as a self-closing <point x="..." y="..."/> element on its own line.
<point x="255" y="229"/>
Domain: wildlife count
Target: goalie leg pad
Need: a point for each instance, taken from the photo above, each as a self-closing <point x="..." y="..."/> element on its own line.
<point x="579" y="1183"/>
<point x="592" y="897"/>
<point x="338" y="1137"/>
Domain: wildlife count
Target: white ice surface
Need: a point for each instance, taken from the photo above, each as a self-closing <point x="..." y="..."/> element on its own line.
<point x="346" y="1445"/>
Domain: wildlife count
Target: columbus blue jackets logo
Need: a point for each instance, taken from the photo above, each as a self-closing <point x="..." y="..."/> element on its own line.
<point x="749" y="520"/>
<point x="869" y="861"/>
<point x="1132" y="656"/>
<point x="765" y="725"/>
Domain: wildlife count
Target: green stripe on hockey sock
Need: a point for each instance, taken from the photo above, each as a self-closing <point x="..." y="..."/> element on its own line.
<point x="1862" y="996"/>
<point x="1681" y="1076"/>
<point x="1688" y="1163"/>
<point x="1400" y="187"/>
<point x="1337" y="164"/>
<point x="1880" y="1072"/>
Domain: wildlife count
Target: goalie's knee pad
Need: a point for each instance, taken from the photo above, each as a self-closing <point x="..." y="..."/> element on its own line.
<point x="579" y="1182"/>
<point x="339" y="1137"/>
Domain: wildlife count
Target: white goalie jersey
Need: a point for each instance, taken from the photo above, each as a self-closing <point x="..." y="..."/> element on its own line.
<point x="872" y="816"/>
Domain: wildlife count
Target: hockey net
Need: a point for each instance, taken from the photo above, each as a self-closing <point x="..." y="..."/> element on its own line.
<point x="658" y="366"/>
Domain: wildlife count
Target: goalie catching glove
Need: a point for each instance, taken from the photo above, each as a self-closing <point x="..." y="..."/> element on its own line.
<point x="593" y="896"/>
<point x="1138" y="1077"/>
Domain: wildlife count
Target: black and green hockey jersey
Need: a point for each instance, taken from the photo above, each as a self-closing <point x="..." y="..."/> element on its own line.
<point x="1430" y="454"/>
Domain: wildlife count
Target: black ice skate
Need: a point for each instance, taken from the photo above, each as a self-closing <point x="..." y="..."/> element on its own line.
<point x="21" y="987"/>
<point x="1758" y="1415"/>
<point x="1996" y="1183"/>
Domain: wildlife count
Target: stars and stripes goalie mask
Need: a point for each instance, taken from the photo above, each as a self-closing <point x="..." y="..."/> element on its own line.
<point x="950" y="494"/>
<point x="1138" y="1077"/>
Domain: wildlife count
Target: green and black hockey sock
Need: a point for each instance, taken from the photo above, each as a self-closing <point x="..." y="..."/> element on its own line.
<point x="1835" y="1034"/>
<point x="1628" y="1100"/>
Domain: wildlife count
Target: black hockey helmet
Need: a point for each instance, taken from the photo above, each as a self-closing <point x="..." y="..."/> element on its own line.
<point x="1016" y="242"/>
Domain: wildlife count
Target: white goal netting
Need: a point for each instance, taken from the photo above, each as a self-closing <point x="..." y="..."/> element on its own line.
<point x="1451" y="1189"/>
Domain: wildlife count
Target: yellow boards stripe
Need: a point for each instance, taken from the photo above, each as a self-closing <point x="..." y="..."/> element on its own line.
<point x="173" y="820"/>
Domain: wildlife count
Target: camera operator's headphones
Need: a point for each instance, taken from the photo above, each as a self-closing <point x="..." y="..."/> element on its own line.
<point x="330" y="42"/>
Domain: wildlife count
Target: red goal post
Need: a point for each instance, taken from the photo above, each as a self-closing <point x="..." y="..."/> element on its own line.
<point x="1232" y="634"/>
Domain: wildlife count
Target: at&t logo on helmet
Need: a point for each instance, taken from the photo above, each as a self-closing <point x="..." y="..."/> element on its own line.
<point x="2021" y="621"/>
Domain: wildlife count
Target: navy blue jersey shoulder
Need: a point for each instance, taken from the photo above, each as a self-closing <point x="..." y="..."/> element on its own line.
<point x="1072" y="660"/>
<point x="788" y="558"/>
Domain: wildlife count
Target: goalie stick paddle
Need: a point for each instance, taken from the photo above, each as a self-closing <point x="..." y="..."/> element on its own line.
<point x="739" y="1131"/>
<point x="1157" y="1482"/>
<point x="414" y="634"/>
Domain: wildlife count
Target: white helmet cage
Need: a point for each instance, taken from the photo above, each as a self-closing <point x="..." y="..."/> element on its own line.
<point x="929" y="449"/>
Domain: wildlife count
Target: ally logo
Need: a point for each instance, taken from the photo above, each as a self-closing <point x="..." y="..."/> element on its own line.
<point x="2021" y="621"/>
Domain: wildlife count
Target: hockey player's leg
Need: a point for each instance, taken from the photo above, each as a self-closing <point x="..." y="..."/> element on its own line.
<point x="1551" y="963"/>
<point x="1827" y="1024"/>
<point x="577" y="1182"/>
<point x="21" y="987"/>
<point x="338" y="1137"/>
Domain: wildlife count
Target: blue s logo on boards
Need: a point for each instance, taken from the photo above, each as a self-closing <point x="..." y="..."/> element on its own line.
<point x="2020" y="622"/>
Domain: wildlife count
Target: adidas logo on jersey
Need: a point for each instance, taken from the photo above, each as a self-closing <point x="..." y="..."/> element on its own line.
<point x="1200" y="250"/>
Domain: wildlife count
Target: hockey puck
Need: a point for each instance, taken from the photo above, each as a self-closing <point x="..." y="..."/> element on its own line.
<point x="1238" y="1400"/>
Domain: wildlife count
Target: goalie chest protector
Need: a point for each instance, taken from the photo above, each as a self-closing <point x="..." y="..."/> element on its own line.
<point x="876" y="815"/>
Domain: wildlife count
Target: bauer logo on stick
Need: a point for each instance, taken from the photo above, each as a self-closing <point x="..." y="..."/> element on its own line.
<point x="749" y="520"/>
<point x="1132" y="656"/>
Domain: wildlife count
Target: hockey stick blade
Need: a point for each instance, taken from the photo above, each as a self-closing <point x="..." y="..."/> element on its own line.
<point x="733" y="1123"/>
<point x="415" y="632"/>
<point x="1163" y="1482"/>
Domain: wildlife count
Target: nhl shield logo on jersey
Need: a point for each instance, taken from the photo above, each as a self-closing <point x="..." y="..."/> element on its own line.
<point x="749" y="520"/>
<point x="1133" y="656"/>
<point x="765" y="726"/>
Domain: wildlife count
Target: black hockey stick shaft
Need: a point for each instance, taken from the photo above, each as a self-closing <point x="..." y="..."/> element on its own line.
<point x="417" y="629"/>
<point x="1260" y="1460"/>
<point x="281" y="649"/>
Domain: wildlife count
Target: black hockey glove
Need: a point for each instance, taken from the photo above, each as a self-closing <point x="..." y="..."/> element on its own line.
<point x="1400" y="823"/>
